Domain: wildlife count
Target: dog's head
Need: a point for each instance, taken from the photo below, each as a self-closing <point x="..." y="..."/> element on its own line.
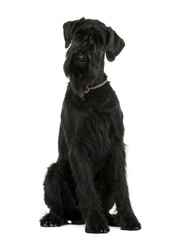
<point x="88" y="41"/>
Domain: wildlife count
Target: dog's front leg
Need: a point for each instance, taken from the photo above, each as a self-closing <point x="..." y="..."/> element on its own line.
<point x="88" y="200"/>
<point x="127" y="218"/>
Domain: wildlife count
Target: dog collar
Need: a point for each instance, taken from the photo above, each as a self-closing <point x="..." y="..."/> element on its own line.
<point x="95" y="87"/>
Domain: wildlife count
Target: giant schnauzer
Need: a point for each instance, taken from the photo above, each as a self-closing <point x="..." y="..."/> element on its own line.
<point x="89" y="176"/>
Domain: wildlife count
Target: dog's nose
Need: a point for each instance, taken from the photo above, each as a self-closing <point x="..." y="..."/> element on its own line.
<point x="81" y="59"/>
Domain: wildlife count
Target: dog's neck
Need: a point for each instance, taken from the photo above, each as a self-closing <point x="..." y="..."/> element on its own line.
<point x="96" y="86"/>
<point x="101" y="78"/>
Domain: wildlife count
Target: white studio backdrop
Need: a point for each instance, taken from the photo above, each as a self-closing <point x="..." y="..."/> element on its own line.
<point x="32" y="88"/>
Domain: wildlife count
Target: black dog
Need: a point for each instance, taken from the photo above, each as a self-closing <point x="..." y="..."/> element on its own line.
<point x="89" y="176"/>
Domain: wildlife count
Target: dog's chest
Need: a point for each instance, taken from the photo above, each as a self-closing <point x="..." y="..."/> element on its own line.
<point x="86" y="125"/>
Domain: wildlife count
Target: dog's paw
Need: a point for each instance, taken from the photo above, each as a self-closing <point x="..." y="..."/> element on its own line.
<point x="52" y="220"/>
<point x="96" y="228"/>
<point x="130" y="223"/>
<point x="96" y="225"/>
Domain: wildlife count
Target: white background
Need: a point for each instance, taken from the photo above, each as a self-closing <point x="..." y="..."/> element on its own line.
<point x="32" y="88"/>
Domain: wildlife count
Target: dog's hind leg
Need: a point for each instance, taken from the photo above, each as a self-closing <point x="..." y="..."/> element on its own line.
<point x="52" y="195"/>
<point x="60" y="197"/>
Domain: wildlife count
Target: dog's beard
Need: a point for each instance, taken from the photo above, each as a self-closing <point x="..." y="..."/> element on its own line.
<point x="80" y="77"/>
<point x="80" y="82"/>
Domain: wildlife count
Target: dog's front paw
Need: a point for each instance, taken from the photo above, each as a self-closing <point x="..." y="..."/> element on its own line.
<point x="96" y="225"/>
<point x="130" y="223"/>
<point x="52" y="220"/>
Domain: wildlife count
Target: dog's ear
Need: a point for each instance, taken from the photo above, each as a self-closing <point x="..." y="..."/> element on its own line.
<point x="114" y="46"/>
<point x="68" y="29"/>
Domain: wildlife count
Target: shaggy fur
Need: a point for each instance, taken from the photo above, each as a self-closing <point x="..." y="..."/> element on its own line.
<point x="89" y="176"/>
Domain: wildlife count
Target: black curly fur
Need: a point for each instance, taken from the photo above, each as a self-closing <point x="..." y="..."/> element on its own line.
<point x="89" y="176"/>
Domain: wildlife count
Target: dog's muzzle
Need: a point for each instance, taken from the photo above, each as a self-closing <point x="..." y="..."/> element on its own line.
<point x="81" y="59"/>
